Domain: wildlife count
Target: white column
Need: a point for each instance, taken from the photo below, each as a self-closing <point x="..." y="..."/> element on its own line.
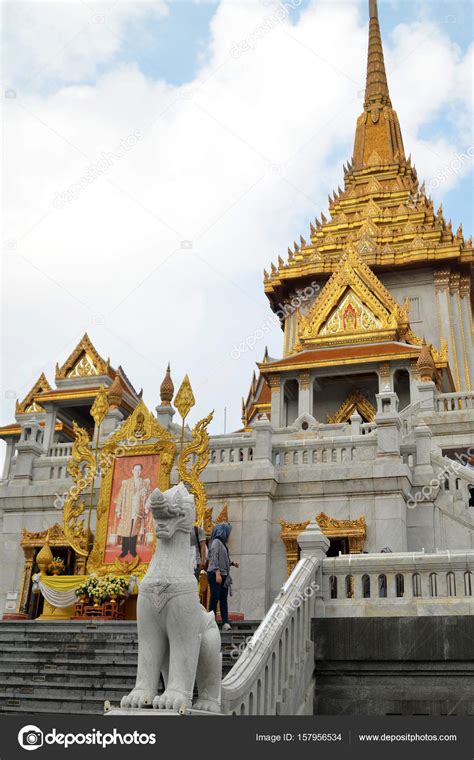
<point x="466" y="317"/>
<point x="456" y="328"/>
<point x="276" y="400"/>
<point x="8" y="458"/>
<point x="49" y="426"/>
<point x="445" y="325"/>
<point x="305" y="401"/>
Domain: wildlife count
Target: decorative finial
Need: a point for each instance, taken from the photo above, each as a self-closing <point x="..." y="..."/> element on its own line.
<point x="115" y="393"/>
<point x="373" y="12"/>
<point x="425" y="365"/>
<point x="167" y="388"/>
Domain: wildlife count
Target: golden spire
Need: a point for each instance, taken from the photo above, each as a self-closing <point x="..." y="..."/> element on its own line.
<point x="378" y="137"/>
<point x="167" y="388"/>
<point x="376" y="89"/>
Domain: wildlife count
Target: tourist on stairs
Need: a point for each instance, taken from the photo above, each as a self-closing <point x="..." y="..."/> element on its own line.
<point x="218" y="572"/>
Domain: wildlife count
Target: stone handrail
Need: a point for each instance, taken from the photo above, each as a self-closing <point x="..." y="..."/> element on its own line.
<point x="274" y="673"/>
<point x="453" y="468"/>
<point x="379" y="578"/>
<point x="325" y="451"/>
<point x="453" y="402"/>
<point x="60" y="450"/>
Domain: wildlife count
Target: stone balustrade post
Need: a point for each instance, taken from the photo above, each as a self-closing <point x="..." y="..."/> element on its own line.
<point x="164" y="415"/>
<point x="263" y="439"/>
<point x="388" y="424"/>
<point x="426" y="390"/>
<point x="313" y="543"/>
<point x="29" y="448"/>
<point x="423" y="438"/>
<point x="356" y="421"/>
<point x="111" y="422"/>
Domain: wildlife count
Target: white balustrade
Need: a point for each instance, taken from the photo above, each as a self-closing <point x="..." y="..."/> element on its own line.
<point x="454" y="402"/>
<point x="388" y="579"/>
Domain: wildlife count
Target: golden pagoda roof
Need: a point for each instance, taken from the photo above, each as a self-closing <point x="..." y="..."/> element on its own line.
<point x="29" y="405"/>
<point x="382" y="209"/>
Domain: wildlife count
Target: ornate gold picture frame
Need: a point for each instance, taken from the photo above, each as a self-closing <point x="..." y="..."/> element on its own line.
<point x="146" y="442"/>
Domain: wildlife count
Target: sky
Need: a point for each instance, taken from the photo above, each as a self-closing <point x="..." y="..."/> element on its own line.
<point x="159" y="155"/>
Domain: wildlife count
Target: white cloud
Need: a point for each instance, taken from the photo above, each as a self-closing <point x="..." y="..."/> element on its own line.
<point x="237" y="162"/>
<point x="66" y="40"/>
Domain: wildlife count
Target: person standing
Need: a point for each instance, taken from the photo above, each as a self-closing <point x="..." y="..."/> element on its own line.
<point x="218" y="572"/>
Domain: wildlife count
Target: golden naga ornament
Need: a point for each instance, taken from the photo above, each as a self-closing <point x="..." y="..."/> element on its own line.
<point x="82" y="468"/>
<point x="100" y="407"/>
<point x="198" y="446"/>
<point x="184" y="399"/>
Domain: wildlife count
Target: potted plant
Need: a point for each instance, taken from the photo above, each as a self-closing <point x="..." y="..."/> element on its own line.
<point x="56" y="567"/>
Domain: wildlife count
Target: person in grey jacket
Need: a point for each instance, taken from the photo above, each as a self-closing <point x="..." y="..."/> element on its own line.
<point x="218" y="571"/>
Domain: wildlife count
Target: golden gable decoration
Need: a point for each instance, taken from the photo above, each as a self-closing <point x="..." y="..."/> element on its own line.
<point x="85" y="361"/>
<point x="355" y="402"/>
<point x="373" y="313"/>
<point x="29" y="405"/>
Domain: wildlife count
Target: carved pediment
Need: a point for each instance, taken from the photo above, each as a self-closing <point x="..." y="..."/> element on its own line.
<point x="29" y="405"/>
<point x="355" y="402"/>
<point x="353" y="303"/>
<point x="84" y="361"/>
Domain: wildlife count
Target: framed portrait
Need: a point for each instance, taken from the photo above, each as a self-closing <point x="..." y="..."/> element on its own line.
<point x="130" y="532"/>
<point x="135" y="460"/>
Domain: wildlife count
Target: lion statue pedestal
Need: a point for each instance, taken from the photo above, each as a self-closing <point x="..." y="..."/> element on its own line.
<point x="177" y="637"/>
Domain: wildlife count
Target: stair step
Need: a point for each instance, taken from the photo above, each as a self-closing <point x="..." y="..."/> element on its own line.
<point x="73" y="667"/>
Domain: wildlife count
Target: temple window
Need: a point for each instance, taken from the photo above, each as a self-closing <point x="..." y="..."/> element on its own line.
<point x="433" y="584"/>
<point x="333" y="586"/>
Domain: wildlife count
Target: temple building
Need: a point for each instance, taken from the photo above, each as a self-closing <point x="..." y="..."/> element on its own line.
<point x="364" y="427"/>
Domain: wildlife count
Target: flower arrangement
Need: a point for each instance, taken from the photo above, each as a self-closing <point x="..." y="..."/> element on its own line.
<point x="103" y="589"/>
<point x="56" y="567"/>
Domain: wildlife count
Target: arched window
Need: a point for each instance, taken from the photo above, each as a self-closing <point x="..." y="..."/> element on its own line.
<point x="382" y="586"/>
<point x="468" y="583"/>
<point x="333" y="586"/>
<point x="416" y="579"/>
<point x="241" y="455"/>
<point x="451" y="583"/>
<point x="433" y="584"/>
<point x="250" y="455"/>
<point x="366" y="586"/>
<point x="400" y="585"/>
<point x="349" y="586"/>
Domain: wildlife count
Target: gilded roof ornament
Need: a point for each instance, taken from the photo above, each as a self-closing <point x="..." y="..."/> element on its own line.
<point x="29" y="404"/>
<point x="115" y="393"/>
<point x="100" y="407"/>
<point x="84" y="361"/>
<point x="184" y="400"/>
<point x="167" y="388"/>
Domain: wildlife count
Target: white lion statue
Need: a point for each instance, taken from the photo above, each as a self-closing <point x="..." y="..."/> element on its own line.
<point x="176" y="635"/>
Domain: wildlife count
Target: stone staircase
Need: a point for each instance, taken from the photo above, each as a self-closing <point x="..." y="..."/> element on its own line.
<point x="73" y="667"/>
